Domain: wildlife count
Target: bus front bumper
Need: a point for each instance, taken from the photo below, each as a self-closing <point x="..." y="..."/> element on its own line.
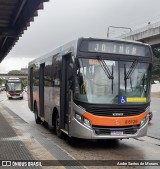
<point x="79" y="130"/>
<point x="15" y="96"/>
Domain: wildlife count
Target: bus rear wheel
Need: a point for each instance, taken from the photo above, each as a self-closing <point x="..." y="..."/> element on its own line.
<point x="60" y="134"/>
<point x="37" y="118"/>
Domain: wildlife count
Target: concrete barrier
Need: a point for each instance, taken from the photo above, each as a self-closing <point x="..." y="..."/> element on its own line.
<point x="155" y="90"/>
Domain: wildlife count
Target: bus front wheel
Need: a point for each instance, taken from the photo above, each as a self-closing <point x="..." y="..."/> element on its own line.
<point x="60" y="134"/>
<point x="37" y="118"/>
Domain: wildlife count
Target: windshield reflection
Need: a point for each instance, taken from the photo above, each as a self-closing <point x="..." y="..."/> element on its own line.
<point x="93" y="85"/>
<point x="137" y="83"/>
<point x="14" y="86"/>
<point x="93" y="82"/>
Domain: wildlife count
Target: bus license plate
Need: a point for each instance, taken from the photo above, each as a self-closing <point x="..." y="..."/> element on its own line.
<point x="116" y="133"/>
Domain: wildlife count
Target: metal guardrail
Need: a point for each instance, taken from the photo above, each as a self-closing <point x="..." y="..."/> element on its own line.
<point x="3" y="74"/>
<point x="6" y="76"/>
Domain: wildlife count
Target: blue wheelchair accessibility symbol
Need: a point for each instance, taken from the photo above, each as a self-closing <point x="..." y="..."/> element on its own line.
<point x="122" y="99"/>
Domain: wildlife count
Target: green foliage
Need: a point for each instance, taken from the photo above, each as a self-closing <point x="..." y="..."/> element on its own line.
<point x="156" y="68"/>
<point x="2" y="81"/>
<point x="156" y="52"/>
<point x="24" y="82"/>
<point x="14" y="72"/>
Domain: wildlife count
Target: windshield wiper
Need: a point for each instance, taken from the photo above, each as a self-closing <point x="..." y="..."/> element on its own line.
<point x="125" y="78"/>
<point x="106" y="69"/>
<point x="127" y="75"/>
<point x="131" y="69"/>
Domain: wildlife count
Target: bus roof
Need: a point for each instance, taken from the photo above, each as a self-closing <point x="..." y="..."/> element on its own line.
<point x="64" y="49"/>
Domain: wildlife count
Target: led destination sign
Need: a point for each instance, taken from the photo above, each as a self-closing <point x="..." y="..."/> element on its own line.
<point x="14" y="80"/>
<point x="115" y="48"/>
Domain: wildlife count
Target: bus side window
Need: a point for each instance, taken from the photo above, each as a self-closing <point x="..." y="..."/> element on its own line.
<point x="56" y="72"/>
<point x="36" y="76"/>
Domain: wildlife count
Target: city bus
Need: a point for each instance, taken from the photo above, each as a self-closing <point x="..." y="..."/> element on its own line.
<point x="93" y="88"/>
<point x="14" y="88"/>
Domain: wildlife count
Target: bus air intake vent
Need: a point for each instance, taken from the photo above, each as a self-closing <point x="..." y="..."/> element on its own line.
<point x="114" y="112"/>
<point x="107" y="130"/>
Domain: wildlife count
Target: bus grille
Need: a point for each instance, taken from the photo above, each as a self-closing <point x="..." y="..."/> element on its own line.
<point x="107" y="130"/>
<point x="113" y="112"/>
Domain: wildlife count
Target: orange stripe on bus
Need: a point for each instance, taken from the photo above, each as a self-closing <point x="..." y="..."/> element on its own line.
<point x="114" y="121"/>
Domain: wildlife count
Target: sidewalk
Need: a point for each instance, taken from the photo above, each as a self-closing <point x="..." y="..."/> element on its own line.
<point x="11" y="148"/>
<point x="16" y="143"/>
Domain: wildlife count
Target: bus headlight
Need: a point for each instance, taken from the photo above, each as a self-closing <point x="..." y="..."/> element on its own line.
<point x="149" y="113"/>
<point x="87" y="122"/>
<point x="78" y="117"/>
<point x="83" y="120"/>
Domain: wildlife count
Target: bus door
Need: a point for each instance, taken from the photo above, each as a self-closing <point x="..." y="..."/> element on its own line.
<point x="31" y="88"/>
<point x="65" y="95"/>
<point x="41" y="90"/>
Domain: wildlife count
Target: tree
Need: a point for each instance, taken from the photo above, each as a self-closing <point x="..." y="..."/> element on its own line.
<point x="25" y="82"/>
<point x="156" y="52"/>
<point x="2" y="81"/>
<point x="156" y="68"/>
<point x="14" y="72"/>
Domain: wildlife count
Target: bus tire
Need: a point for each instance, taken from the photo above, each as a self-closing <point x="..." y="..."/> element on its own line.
<point x="37" y="118"/>
<point x="60" y="134"/>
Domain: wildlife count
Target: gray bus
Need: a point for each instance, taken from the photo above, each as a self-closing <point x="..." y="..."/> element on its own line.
<point x="93" y="88"/>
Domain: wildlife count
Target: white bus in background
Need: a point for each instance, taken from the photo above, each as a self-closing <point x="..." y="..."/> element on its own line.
<point x="14" y="88"/>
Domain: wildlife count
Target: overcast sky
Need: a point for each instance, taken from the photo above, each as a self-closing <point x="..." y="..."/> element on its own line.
<point x="63" y="20"/>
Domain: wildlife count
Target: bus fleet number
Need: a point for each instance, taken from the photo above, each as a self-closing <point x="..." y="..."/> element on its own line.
<point x="131" y="121"/>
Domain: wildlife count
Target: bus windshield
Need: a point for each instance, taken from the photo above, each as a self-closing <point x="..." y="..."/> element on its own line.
<point x="14" y="86"/>
<point x="107" y="81"/>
